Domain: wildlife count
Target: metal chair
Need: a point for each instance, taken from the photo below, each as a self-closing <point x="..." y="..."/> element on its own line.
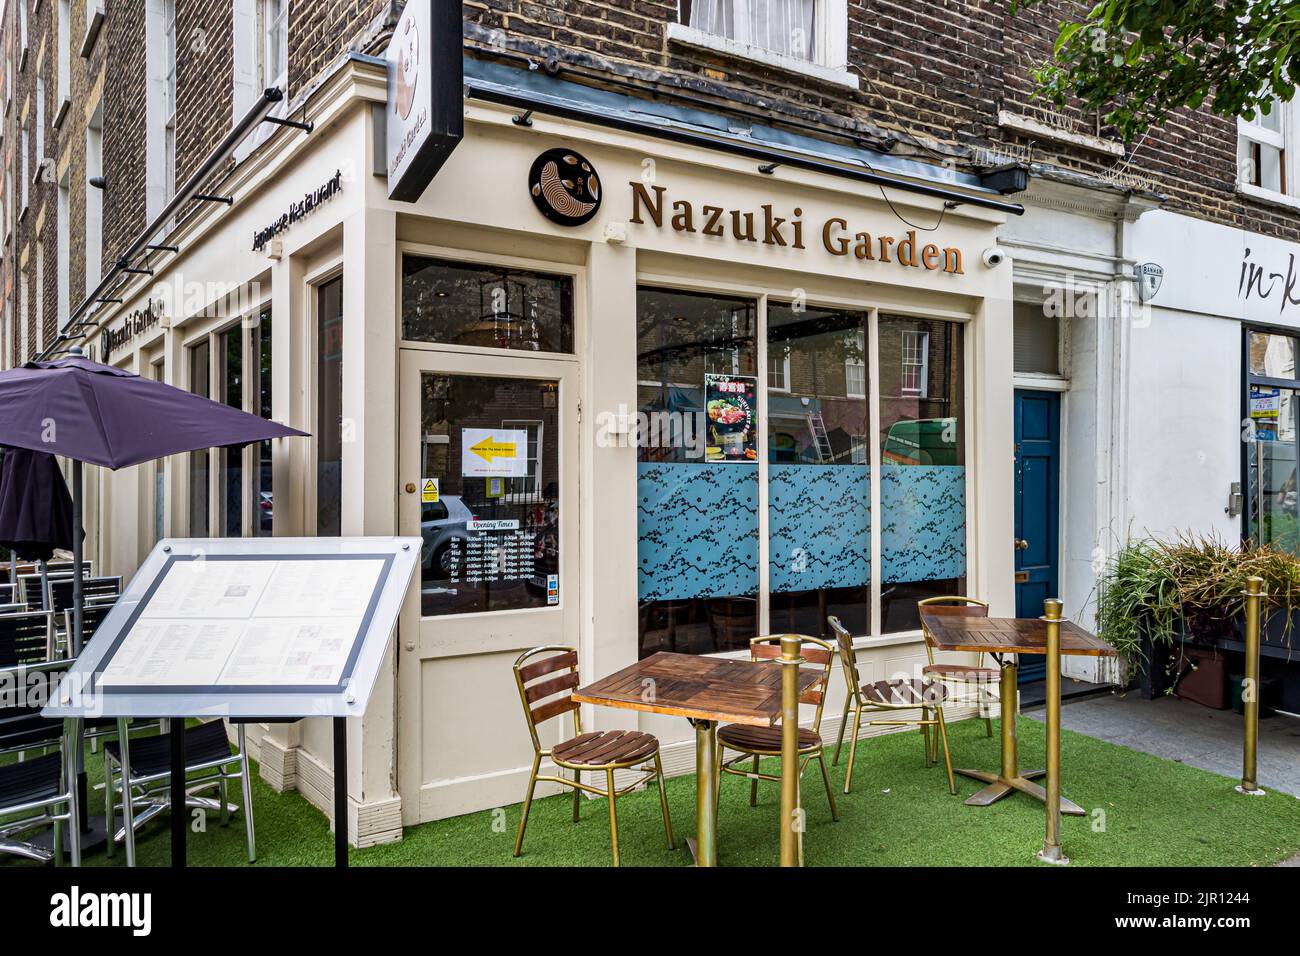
<point x="757" y="742"/>
<point x="888" y="696"/>
<point x="595" y="752"/>
<point x="975" y="675"/>
<point x="8" y="593"/>
<point x="26" y="638"/>
<point x="139" y="771"/>
<point x="38" y="791"/>
<point x="92" y="616"/>
<point x="59" y="591"/>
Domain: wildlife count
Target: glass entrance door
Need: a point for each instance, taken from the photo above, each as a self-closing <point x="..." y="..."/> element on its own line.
<point x="1273" y="440"/>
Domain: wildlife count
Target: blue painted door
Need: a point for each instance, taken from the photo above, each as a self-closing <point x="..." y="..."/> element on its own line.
<point x="1038" y="460"/>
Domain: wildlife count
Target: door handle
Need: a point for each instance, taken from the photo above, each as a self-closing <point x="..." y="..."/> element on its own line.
<point x="1022" y="544"/>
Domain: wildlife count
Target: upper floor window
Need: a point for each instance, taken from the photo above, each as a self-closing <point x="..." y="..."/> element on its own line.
<point x="1264" y="158"/>
<point x="63" y="80"/>
<point x="915" y="358"/>
<point x="160" y="104"/>
<point x="22" y="33"/>
<point x="274" y="33"/>
<point x="169" y="102"/>
<point x="805" y="36"/>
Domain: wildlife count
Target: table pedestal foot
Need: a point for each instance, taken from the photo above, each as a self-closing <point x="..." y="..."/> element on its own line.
<point x="1053" y="855"/>
<point x="1000" y="786"/>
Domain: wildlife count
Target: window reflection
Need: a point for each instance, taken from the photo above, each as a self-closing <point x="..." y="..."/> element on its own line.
<point x="923" y="475"/>
<point x="697" y="479"/>
<point x="819" y="482"/>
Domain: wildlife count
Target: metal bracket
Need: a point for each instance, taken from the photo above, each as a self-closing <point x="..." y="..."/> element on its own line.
<point x="204" y="197"/>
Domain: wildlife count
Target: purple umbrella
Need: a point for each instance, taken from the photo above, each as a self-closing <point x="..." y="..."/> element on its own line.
<point x="35" y="507"/>
<point x="88" y="412"/>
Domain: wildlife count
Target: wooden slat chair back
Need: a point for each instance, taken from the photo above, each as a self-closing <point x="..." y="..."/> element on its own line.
<point x="546" y="678"/>
<point x="890" y="695"/>
<point x="958" y="605"/>
<point x="551" y="697"/>
<point x="753" y="743"/>
<point x="26" y="638"/>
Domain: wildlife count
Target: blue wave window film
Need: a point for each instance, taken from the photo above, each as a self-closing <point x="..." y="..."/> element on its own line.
<point x="697" y="530"/>
<point x="819" y="527"/>
<point x="923" y="522"/>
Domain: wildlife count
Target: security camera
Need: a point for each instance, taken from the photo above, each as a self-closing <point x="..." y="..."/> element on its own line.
<point x="993" y="257"/>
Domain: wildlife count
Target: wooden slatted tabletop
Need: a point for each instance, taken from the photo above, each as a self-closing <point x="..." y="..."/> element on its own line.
<point x="699" y="688"/>
<point x="1007" y="635"/>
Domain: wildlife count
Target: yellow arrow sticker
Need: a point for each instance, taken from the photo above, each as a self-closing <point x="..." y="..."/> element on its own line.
<point x="490" y="449"/>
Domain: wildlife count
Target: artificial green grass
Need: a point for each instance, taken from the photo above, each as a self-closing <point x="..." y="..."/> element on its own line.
<point x="1142" y="811"/>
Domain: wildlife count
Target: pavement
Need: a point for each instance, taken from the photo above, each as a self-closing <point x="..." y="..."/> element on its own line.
<point x="1188" y="733"/>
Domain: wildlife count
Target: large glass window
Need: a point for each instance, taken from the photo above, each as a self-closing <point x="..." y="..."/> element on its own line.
<point x="819" y="479"/>
<point x="230" y="461"/>
<point x="697" y="475"/>
<point x="261" y="523"/>
<point x="1273" y="447"/>
<point x="200" y="384"/>
<point x="457" y="303"/>
<point x="701" y="588"/>
<point x="329" y="408"/>
<point x="922" y="459"/>
<point x="489" y="493"/>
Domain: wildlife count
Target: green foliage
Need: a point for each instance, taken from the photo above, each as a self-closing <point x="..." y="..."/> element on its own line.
<point x="1140" y="60"/>
<point x="1163" y="588"/>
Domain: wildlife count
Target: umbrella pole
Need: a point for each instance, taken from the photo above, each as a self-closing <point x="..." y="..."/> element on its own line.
<point x="45" y="586"/>
<point x="13" y="568"/>
<point x="74" y="639"/>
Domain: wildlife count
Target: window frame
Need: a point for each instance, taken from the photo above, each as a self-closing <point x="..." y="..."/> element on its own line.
<point x="830" y="45"/>
<point x="1252" y="135"/>
<point x="875" y="310"/>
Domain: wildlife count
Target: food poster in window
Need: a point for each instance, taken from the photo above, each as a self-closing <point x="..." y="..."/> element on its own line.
<point x="732" y="405"/>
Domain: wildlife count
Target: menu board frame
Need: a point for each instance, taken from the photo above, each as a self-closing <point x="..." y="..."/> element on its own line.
<point x="84" y="691"/>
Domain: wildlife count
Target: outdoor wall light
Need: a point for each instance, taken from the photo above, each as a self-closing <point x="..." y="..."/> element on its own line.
<point x="99" y="182"/>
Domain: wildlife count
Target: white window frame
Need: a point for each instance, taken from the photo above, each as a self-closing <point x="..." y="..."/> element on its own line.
<point x="27" y="169"/>
<point x="859" y="366"/>
<point x="249" y="45"/>
<point x="94" y="199"/>
<point x="784" y="372"/>
<point x="64" y="261"/>
<point x="921" y="340"/>
<point x="39" y="270"/>
<point x="22" y="33"/>
<point x="1251" y="133"/>
<point x="63" y="60"/>
<point x="830" y="45"/>
<point x="159" y="113"/>
<point x="266" y="26"/>
<point x="39" y="156"/>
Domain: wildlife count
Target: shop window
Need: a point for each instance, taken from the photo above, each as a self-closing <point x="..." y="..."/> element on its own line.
<point x="490" y="522"/>
<point x="200" y="384"/>
<point x="230" y="461"/>
<point x="923" y="474"/>
<point x="1273" y="400"/>
<point x="329" y="407"/>
<point x="819" y="488"/>
<point x="697" y="476"/>
<point x="456" y="303"/>
<point x="261" y="522"/>
<point x="158" y="371"/>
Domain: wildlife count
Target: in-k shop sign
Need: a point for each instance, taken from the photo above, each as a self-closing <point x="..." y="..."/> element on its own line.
<point x="425" y="113"/>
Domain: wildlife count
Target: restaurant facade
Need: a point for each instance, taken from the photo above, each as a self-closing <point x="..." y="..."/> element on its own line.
<point x="636" y="391"/>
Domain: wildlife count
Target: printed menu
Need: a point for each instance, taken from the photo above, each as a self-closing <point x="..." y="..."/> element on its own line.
<point x="248" y="622"/>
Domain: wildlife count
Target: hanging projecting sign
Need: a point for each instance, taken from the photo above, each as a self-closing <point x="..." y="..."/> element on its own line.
<point x="494" y="452"/>
<point x="425" y="116"/>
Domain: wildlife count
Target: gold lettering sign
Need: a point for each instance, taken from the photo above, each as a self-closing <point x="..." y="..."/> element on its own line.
<point x="765" y="226"/>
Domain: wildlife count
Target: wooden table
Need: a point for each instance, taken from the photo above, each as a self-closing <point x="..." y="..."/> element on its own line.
<point x="1011" y="636"/>
<point x="706" y="691"/>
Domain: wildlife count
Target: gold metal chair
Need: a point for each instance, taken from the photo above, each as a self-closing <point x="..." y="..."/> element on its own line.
<point x="595" y="752"/>
<point x="888" y="695"/>
<point x="757" y="742"/>
<point x="976" y="675"/>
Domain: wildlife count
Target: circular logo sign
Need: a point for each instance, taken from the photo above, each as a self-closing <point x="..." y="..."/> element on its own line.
<point x="564" y="187"/>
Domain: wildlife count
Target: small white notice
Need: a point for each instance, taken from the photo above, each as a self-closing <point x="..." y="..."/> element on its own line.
<point x="494" y="452"/>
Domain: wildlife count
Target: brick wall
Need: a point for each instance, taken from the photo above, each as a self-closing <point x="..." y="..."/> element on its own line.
<point x="934" y="76"/>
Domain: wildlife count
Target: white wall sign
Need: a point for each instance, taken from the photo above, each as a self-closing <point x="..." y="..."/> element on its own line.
<point x="425" y="114"/>
<point x="494" y="452"/>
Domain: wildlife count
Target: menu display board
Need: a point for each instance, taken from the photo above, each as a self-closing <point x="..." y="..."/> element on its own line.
<point x="244" y="627"/>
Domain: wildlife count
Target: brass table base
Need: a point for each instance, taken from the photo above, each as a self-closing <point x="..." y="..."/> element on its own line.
<point x="999" y="786"/>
